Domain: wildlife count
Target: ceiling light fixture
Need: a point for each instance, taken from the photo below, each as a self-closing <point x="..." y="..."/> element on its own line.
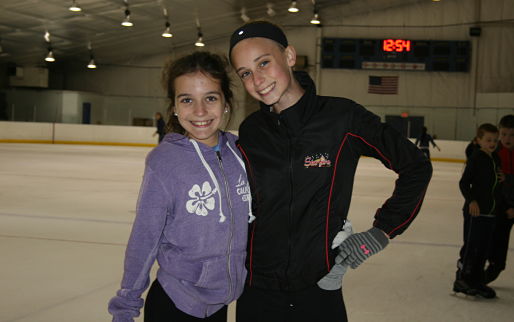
<point x="293" y="8"/>
<point x="75" y="7"/>
<point x="244" y="16"/>
<point x="50" y="56"/>
<point x="315" y="19"/>
<point x="270" y="11"/>
<point x="199" y="42"/>
<point x="167" y="31"/>
<point x="167" y="26"/>
<point x="126" y="22"/>
<point x="91" y="64"/>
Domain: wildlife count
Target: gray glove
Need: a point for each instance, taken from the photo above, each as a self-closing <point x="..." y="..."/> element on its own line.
<point x="358" y="247"/>
<point x="334" y="279"/>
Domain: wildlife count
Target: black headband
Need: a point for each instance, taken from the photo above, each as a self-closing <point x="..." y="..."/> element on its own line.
<point x="254" y="29"/>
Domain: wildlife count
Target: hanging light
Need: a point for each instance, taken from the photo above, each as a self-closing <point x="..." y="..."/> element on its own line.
<point x="75" y="7"/>
<point x="91" y="64"/>
<point x="50" y="56"/>
<point x="244" y="16"/>
<point x="293" y="8"/>
<point x="167" y="32"/>
<point x="270" y="11"/>
<point x="126" y="22"/>
<point x="199" y="42"/>
<point x="315" y="19"/>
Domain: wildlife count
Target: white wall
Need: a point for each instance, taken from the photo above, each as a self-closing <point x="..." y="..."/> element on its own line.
<point x="135" y="135"/>
<point x="76" y="133"/>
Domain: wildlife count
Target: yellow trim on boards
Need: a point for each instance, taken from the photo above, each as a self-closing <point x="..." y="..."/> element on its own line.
<point x="150" y="145"/>
<point x="448" y="160"/>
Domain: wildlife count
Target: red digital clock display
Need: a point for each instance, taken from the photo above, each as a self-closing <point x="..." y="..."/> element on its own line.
<point x="396" y="45"/>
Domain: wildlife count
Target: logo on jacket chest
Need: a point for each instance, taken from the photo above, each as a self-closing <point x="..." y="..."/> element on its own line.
<point x="319" y="160"/>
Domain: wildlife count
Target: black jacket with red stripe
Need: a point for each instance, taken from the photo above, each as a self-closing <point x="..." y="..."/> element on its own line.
<point x="301" y="166"/>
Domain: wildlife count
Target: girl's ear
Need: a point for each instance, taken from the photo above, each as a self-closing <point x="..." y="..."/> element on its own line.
<point x="290" y="53"/>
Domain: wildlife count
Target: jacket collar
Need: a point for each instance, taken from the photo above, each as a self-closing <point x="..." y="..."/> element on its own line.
<point x="296" y="116"/>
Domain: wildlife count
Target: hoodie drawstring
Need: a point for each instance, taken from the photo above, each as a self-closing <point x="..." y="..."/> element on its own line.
<point x="211" y="174"/>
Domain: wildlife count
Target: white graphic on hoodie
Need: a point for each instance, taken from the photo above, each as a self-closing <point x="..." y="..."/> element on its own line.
<point x="202" y="199"/>
<point x="243" y="190"/>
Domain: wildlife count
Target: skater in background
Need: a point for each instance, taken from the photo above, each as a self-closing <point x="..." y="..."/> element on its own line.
<point x="160" y="125"/>
<point x="301" y="152"/>
<point x="193" y="206"/>
<point x="480" y="186"/>
<point x="424" y="140"/>
<point x="500" y="244"/>
<point x="471" y="148"/>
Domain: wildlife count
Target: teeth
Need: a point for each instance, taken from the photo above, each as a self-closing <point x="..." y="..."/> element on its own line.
<point x="267" y="89"/>
<point x="200" y="123"/>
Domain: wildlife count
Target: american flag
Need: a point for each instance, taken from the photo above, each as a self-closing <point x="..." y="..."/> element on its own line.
<point x="383" y="85"/>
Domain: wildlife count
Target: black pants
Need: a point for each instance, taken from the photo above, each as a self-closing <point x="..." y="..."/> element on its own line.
<point x="160" y="308"/>
<point x="310" y="305"/>
<point x="500" y="243"/>
<point x="478" y="232"/>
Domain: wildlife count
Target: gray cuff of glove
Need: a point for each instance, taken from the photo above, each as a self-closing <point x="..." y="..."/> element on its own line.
<point x="379" y="236"/>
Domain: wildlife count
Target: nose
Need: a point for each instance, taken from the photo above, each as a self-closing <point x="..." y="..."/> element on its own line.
<point x="199" y="109"/>
<point x="258" y="79"/>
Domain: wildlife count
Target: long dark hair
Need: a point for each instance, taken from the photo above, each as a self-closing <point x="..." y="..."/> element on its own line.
<point x="208" y="63"/>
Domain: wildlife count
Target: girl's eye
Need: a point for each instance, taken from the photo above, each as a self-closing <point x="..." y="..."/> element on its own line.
<point x="244" y="74"/>
<point x="211" y="98"/>
<point x="186" y="100"/>
<point x="263" y="63"/>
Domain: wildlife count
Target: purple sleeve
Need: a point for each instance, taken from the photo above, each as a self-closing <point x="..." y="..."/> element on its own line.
<point x="151" y="212"/>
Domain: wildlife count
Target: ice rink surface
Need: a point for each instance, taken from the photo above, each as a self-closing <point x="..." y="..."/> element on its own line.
<point x="66" y="214"/>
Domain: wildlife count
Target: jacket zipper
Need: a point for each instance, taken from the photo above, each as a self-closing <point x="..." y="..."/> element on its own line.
<point x="229" y="248"/>
<point x="290" y="217"/>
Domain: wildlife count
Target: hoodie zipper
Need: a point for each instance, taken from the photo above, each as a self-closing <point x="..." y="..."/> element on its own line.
<point x="229" y="248"/>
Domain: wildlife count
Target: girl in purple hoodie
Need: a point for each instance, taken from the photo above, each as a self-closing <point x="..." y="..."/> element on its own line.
<point x="193" y="207"/>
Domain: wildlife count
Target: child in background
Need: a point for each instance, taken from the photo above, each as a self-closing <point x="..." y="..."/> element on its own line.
<point x="500" y="244"/>
<point x="193" y="206"/>
<point x="160" y="126"/>
<point x="424" y="140"/>
<point x="481" y="190"/>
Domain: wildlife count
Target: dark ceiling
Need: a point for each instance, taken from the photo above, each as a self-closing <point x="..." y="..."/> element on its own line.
<point x="23" y="24"/>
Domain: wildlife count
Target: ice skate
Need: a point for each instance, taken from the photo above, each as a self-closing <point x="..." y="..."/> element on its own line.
<point x="461" y="286"/>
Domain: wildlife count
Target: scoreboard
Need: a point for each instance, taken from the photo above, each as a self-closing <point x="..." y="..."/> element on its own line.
<point x="396" y="54"/>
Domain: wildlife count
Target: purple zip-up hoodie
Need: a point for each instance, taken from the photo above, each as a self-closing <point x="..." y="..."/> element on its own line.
<point x="192" y="216"/>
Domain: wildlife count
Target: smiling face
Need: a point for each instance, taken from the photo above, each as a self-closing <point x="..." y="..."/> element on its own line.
<point x="488" y="142"/>
<point x="265" y="70"/>
<point x="200" y="105"/>
<point x="507" y="137"/>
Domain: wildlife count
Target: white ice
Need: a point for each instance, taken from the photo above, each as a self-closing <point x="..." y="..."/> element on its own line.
<point x="66" y="213"/>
